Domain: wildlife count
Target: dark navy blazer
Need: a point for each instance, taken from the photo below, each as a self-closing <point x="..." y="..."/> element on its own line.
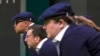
<point x="48" y="49"/>
<point x="80" y="41"/>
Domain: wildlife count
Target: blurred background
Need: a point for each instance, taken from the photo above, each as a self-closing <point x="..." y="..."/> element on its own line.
<point x="11" y="44"/>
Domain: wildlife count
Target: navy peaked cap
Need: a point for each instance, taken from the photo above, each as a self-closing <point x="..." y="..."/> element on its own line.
<point x="23" y="16"/>
<point x="61" y="8"/>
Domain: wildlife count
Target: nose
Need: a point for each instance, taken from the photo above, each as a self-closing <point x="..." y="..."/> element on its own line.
<point x="14" y="25"/>
<point x="25" y="40"/>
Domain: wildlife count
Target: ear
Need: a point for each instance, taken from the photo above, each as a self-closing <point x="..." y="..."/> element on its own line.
<point x="26" y="23"/>
<point x="37" y="39"/>
<point x="61" y="21"/>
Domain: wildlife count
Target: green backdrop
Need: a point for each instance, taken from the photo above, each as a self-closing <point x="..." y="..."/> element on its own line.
<point x="36" y="7"/>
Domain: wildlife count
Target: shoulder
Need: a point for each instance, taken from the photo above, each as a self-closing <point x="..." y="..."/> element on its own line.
<point x="48" y="49"/>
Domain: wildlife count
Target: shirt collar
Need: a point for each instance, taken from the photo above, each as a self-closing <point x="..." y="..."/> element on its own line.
<point x="60" y="34"/>
<point x="31" y="24"/>
<point x="40" y="44"/>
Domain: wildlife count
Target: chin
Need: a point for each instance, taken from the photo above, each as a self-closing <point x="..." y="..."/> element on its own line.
<point x="50" y="37"/>
<point x="29" y="47"/>
<point x="32" y="48"/>
<point x="19" y="32"/>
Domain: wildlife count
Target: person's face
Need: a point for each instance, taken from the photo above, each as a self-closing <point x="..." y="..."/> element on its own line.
<point x="52" y="28"/>
<point x="20" y="26"/>
<point x="31" y="40"/>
